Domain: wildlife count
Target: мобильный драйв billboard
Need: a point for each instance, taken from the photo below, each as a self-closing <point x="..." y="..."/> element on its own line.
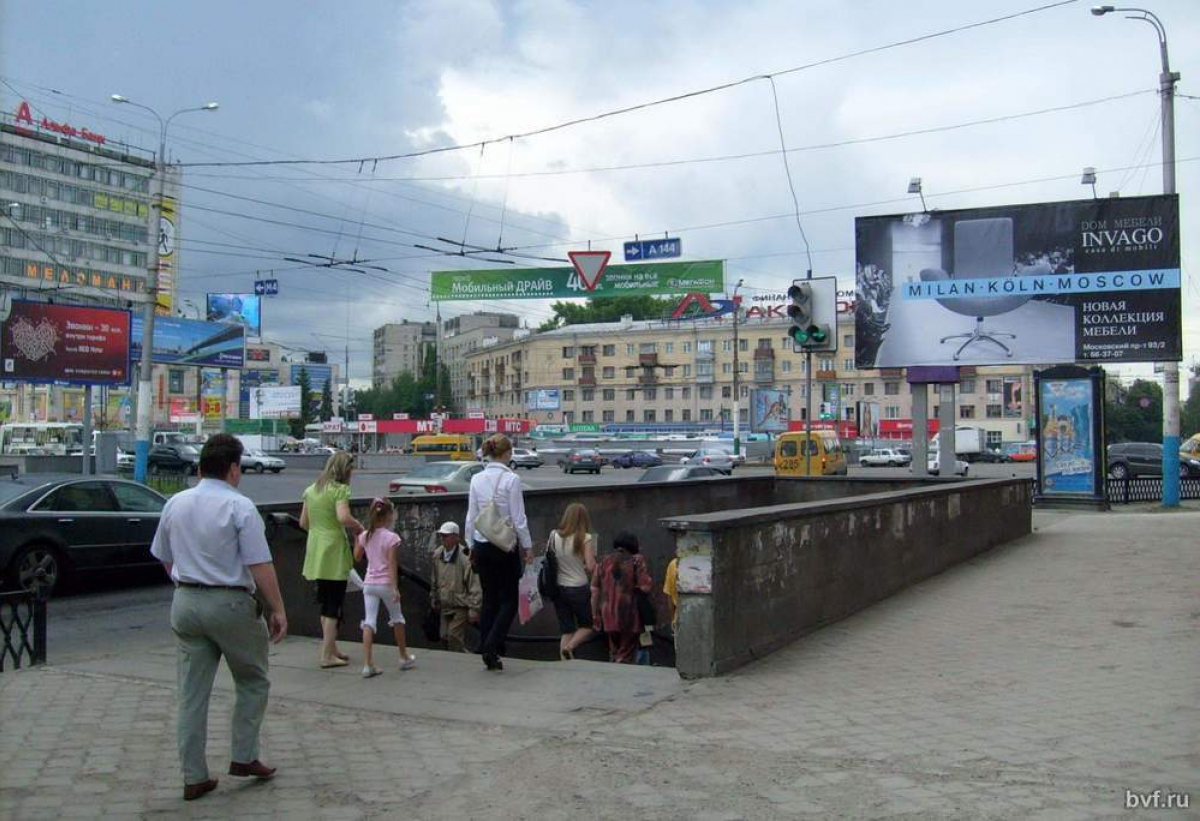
<point x="1080" y="281"/>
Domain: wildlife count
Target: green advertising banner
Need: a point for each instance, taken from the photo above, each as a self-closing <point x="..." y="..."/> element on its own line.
<point x="706" y="277"/>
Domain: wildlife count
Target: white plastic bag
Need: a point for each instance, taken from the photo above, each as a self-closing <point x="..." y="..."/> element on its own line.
<point x="529" y="600"/>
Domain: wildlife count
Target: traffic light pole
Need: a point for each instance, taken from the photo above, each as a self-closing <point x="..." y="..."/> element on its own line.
<point x="808" y="405"/>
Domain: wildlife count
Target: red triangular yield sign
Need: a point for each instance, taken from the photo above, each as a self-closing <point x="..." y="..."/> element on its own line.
<point x="589" y="265"/>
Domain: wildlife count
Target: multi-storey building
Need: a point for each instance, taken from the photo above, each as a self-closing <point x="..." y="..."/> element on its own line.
<point x="80" y="225"/>
<point x="462" y="335"/>
<point x="400" y="347"/>
<point x="681" y="372"/>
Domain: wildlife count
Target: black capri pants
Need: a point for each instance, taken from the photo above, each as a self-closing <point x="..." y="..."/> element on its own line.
<point x="331" y="594"/>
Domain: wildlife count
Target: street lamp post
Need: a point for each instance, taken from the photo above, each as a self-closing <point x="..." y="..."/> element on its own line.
<point x="737" y="396"/>
<point x="1166" y="86"/>
<point x="145" y="399"/>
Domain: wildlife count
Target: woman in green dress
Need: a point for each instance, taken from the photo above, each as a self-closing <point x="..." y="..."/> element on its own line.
<point x="327" y="560"/>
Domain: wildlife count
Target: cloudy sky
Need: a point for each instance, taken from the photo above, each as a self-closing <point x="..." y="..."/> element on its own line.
<point x="377" y="78"/>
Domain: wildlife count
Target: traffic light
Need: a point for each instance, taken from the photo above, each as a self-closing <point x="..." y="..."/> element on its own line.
<point x="810" y="329"/>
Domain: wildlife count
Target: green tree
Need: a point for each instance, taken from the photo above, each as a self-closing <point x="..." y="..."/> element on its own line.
<point x="1135" y="414"/>
<point x="608" y="309"/>
<point x="1189" y="414"/>
<point x="326" y="412"/>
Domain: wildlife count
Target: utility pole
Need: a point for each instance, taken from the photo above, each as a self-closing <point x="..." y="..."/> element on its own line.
<point x="1166" y="86"/>
<point x="737" y="396"/>
<point x="145" y="394"/>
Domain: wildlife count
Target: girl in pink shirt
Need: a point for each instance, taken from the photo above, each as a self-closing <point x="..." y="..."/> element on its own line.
<point x="381" y="582"/>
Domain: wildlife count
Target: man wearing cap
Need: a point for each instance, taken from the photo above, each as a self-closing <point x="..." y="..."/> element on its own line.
<point x="455" y="591"/>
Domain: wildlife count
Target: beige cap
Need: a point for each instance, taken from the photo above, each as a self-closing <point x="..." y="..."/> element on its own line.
<point x="447" y="528"/>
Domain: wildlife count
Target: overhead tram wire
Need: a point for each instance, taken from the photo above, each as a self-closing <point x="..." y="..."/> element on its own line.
<point x="788" y="171"/>
<point x="653" y="103"/>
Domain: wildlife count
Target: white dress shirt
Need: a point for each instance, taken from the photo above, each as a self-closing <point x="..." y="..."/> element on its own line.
<point x="510" y="501"/>
<point x="209" y="534"/>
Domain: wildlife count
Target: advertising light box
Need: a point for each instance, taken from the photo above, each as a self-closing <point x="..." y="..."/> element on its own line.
<point x="74" y="344"/>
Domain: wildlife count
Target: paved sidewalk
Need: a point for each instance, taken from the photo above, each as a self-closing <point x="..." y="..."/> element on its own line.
<point x="1041" y="680"/>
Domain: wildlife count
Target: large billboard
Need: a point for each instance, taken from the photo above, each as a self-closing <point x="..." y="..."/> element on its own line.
<point x="543" y="399"/>
<point x="40" y="342"/>
<point x="192" y="342"/>
<point x="707" y="276"/>
<point x="769" y="411"/>
<point x="1081" y="281"/>
<point x="275" y="402"/>
<point x="239" y="309"/>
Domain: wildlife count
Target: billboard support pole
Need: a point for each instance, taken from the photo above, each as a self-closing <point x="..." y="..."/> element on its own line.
<point x="920" y="428"/>
<point x="87" y="429"/>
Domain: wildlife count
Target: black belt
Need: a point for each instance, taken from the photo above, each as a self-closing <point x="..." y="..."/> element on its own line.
<point x="213" y="586"/>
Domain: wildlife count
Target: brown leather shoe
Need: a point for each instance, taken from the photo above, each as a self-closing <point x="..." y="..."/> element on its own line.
<point x="193" y="791"/>
<point x="255" y="768"/>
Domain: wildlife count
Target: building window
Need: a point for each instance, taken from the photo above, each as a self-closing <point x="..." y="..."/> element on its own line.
<point x="629" y="369"/>
<point x="588" y="395"/>
<point x="669" y="347"/>
<point x="629" y="416"/>
<point x="668" y="415"/>
<point x="648" y="347"/>
<point x="847" y="389"/>
<point x="727" y="345"/>
<point x="704" y="346"/>
<point x="629" y="349"/>
<point x="744" y="366"/>
<point x="704" y="369"/>
<point x="687" y="371"/>
<point x="995" y="438"/>
<point x="706" y="414"/>
<point x="687" y="393"/>
<point x="609" y="372"/>
<point x="589" y="350"/>
<point x="176" y="380"/>
<point x="994" y="411"/>
<point x="745" y="391"/>
<point x="825" y="364"/>
<point x="651" y="393"/>
<point x="568" y="395"/>
<point x="687" y="347"/>
<point x="568" y="374"/>
<point x="609" y="395"/>
<point x="743" y="344"/>
<point x="630" y="394"/>
<point x="726" y="392"/>
<point x="868" y="388"/>
<point x="706" y="391"/>
<point x="568" y="416"/>
<point x="966" y="411"/>
<point x="786" y="365"/>
<point x="669" y="371"/>
<point x="848" y="341"/>
<point x="891" y="412"/>
<point x="966" y="386"/>
<point x="687" y="414"/>
<point x="891" y="388"/>
<point x="726" y="367"/>
<point x="649" y="416"/>
<point x="569" y="352"/>
<point x="589" y="416"/>
<point x="764" y="344"/>
<point x="995" y="386"/>
<point x="609" y="350"/>
<point x="847" y="364"/>
<point x="668" y="393"/>
<point x="608" y="416"/>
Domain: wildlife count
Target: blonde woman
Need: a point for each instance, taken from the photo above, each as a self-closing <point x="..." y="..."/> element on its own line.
<point x="575" y="547"/>
<point x="326" y="517"/>
<point x="499" y="568"/>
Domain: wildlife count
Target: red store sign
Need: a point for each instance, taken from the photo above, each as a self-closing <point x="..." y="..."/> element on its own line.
<point x="46" y="124"/>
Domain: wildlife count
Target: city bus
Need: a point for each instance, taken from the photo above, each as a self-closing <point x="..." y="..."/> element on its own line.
<point x="41" y="438"/>
<point x="452" y="447"/>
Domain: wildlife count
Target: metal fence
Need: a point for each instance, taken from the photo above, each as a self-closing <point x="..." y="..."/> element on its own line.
<point x="23" y="629"/>
<point x="1147" y="489"/>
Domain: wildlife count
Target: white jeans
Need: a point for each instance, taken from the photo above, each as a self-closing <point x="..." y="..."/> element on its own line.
<point x="373" y="594"/>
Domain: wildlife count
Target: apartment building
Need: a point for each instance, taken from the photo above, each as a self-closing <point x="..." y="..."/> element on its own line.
<point x="462" y="335"/>
<point x="681" y="372"/>
<point x="400" y="347"/>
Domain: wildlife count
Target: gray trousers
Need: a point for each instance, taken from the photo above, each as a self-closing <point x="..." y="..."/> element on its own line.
<point x="210" y="623"/>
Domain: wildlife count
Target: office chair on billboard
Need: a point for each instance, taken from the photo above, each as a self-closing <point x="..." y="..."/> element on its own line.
<point x="983" y="249"/>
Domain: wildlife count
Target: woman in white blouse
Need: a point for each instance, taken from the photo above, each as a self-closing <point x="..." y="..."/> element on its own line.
<point x="499" y="569"/>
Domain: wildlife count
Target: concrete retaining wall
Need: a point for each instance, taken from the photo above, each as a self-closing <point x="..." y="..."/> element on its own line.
<point x="635" y="507"/>
<point x="753" y="580"/>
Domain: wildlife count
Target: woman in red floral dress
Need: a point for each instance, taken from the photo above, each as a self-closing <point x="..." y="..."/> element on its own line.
<point x="613" y="600"/>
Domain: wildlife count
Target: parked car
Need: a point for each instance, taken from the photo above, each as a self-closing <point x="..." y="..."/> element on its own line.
<point x="525" y="458"/>
<point x="960" y="467"/>
<point x="174" y="459"/>
<point x="1130" y="459"/>
<point x="52" y="526"/>
<point x="722" y="460"/>
<point x="125" y="460"/>
<point x="993" y="455"/>
<point x="885" y="457"/>
<point x="436" y="477"/>
<point x="587" y="459"/>
<point x="636" y="459"/>
<point x="1021" y="452"/>
<point x="680" y="473"/>
<point x="260" y="462"/>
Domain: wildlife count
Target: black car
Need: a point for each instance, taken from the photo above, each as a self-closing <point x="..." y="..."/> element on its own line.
<point x="1130" y="459"/>
<point x="173" y="459"/>
<point x="679" y="473"/>
<point x="636" y="459"/>
<point x="54" y="526"/>
<point x="583" y="459"/>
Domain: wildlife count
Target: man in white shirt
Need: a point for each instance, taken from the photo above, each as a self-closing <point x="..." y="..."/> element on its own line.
<point x="212" y="541"/>
<point x="499" y="569"/>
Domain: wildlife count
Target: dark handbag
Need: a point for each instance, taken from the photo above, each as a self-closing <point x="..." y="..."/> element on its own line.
<point x="432" y="625"/>
<point x="645" y="605"/>
<point x="548" y="575"/>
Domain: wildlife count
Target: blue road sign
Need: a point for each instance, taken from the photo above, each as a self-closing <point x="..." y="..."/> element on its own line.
<point x="266" y="287"/>
<point x="648" y="249"/>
